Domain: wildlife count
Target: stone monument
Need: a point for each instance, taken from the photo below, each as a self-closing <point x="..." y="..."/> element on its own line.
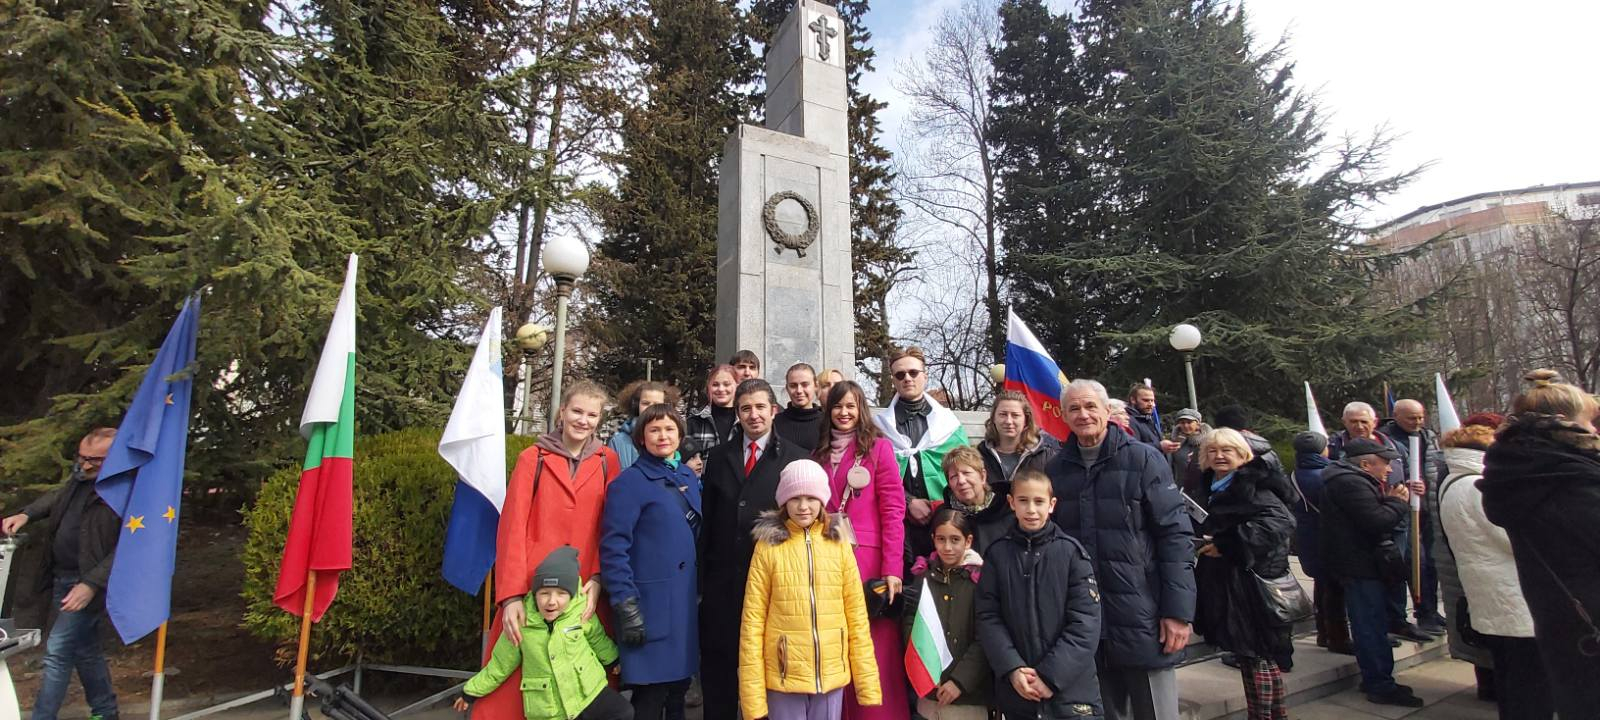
<point x="784" y="284"/>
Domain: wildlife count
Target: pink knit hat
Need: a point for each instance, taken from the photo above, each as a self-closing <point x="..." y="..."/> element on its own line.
<point x="803" y="478"/>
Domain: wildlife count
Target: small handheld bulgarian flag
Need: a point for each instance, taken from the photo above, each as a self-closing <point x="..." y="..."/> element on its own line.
<point x="927" y="655"/>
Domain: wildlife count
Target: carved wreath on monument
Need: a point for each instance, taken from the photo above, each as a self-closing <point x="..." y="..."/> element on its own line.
<point x="797" y="243"/>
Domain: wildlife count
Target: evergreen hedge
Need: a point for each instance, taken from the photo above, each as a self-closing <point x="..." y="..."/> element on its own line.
<point x="393" y="606"/>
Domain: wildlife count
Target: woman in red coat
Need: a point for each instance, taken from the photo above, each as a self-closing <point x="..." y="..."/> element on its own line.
<point x="865" y="481"/>
<point x="555" y="498"/>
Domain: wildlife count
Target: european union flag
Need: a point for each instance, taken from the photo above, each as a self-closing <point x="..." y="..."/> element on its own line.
<point x="142" y="479"/>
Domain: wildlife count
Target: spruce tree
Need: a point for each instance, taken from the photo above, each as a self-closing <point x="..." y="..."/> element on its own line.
<point x="1196" y="162"/>
<point x="159" y="149"/>
<point x="877" y="258"/>
<point x="1045" y="205"/>
<point x="654" y="282"/>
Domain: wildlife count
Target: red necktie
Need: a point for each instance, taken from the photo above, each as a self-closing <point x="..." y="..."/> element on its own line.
<point x="750" y="460"/>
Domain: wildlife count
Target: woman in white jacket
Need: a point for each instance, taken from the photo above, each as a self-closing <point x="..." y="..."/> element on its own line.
<point x="1499" y="614"/>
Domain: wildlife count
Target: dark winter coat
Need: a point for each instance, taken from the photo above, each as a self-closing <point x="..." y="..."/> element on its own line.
<point x="1037" y="457"/>
<point x="98" y="531"/>
<point x="1541" y="482"/>
<point x="1188" y="453"/>
<point x="1144" y="427"/>
<point x="647" y="552"/>
<point x="733" y="503"/>
<point x="1039" y="607"/>
<point x="1251" y="527"/>
<point x="1131" y="518"/>
<point x="1356" y="517"/>
<point x="955" y="598"/>
<point x="1308" y="512"/>
<point x="802" y="427"/>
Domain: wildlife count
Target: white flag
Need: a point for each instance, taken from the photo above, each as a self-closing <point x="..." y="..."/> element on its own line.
<point x="1448" y="420"/>
<point x="474" y="441"/>
<point x="1313" y="418"/>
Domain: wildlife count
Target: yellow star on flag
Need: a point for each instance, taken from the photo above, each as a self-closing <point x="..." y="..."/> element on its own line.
<point x="171" y="514"/>
<point x="169" y="398"/>
<point x="135" y="524"/>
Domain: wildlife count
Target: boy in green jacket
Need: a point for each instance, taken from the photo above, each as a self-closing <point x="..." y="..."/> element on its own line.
<point x="563" y="657"/>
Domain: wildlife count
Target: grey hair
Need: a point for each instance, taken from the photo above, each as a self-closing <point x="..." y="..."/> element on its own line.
<point x="1082" y="384"/>
<point x="1358" y="407"/>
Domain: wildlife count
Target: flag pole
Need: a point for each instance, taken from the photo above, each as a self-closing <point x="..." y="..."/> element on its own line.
<point x="1416" y="523"/>
<point x="298" y="700"/>
<point x="158" y="678"/>
<point x="488" y="606"/>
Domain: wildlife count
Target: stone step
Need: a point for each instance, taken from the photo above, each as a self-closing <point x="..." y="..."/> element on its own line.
<point x="1209" y="690"/>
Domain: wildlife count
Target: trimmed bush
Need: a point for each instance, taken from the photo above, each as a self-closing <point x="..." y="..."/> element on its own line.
<point x="393" y="605"/>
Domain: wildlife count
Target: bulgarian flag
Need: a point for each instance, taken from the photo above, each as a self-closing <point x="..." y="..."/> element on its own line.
<point x="927" y="655"/>
<point x="320" y="528"/>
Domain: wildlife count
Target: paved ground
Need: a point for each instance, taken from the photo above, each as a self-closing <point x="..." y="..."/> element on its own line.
<point x="1446" y="685"/>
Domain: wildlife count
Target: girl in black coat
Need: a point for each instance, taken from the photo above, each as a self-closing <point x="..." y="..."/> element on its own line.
<point x="1541" y="482"/>
<point x="1247" y="531"/>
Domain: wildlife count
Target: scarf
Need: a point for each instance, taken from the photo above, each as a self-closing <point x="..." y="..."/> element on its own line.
<point x="1222" y="483"/>
<point x="836" y="447"/>
<point x="982" y="505"/>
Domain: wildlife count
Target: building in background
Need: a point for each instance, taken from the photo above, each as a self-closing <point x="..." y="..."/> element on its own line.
<point x="1513" y="280"/>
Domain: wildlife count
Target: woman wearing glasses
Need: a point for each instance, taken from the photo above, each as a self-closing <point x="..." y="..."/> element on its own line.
<point x="922" y="431"/>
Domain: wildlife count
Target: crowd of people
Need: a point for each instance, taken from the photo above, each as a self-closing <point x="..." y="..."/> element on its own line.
<point x="822" y="559"/>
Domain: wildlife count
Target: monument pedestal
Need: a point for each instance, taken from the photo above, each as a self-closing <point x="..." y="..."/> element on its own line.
<point x="784" y="280"/>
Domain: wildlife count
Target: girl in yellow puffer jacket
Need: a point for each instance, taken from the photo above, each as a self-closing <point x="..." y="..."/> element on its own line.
<point x="804" y="635"/>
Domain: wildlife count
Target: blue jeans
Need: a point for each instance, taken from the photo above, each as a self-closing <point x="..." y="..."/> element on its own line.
<point x="1366" y="604"/>
<point x="75" y="643"/>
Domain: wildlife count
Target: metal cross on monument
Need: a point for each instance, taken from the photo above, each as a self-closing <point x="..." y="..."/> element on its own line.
<point x="825" y="36"/>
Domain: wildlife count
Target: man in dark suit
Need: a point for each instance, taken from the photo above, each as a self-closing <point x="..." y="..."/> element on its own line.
<point x="741" y="482"/>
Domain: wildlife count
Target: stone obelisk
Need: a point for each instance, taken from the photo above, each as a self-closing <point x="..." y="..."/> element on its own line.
<point x="784" y="284"/>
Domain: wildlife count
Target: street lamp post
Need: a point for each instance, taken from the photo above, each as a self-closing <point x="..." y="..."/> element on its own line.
<point x="531" y="337"/>
<point x="565" y="258"/>
<point x="1185" y="338"/>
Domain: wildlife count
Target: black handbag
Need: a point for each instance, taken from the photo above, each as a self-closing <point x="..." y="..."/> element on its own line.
<point x="1285" y="600"/>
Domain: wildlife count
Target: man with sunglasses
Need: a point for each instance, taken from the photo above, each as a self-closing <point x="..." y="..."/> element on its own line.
<point x="82" y="531"/>
<point x="922" y="431"/>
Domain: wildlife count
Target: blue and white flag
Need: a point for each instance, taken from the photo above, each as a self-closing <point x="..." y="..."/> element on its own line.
<point x="142" y="480"/>
<point x="474" y="443"/>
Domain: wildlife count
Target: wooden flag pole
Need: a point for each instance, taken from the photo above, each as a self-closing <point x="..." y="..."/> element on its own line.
<point x="158" y="678"/>
<point x="488" y="607"/>
<point x="297" y="701"/>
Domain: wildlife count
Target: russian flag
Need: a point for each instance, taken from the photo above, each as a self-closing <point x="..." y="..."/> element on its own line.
<point x="1031" y="371"/>
<point x="474" y="443"/>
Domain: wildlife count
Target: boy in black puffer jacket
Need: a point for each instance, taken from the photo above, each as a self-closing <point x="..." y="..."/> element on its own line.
<point x="1038" y="612"/>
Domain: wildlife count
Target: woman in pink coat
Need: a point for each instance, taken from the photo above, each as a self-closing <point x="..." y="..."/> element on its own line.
<point x="865" y="480"/>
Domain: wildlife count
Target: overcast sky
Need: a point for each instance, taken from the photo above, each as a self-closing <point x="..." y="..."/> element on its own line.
<point x="1495" y="95"/>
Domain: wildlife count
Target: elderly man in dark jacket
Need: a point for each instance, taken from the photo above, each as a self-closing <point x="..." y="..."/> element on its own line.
<point x="1360" y="513"/>
<point x="1361" y="422"/>
<point x="1411" y="420"/>
<point x="82" y="532"/>
<point x="732" y="500"/>
<point x="1116" y="496"/>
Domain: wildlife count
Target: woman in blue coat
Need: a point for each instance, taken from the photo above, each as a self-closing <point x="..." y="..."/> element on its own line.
<point x="649" y="533"/>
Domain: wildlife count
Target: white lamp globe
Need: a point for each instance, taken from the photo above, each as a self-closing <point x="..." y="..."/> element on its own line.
<point x="997" y="373"/>
<point x="566" y="257"/>
<point x="532" y="336"/>
<point x="1185" y="337"/>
